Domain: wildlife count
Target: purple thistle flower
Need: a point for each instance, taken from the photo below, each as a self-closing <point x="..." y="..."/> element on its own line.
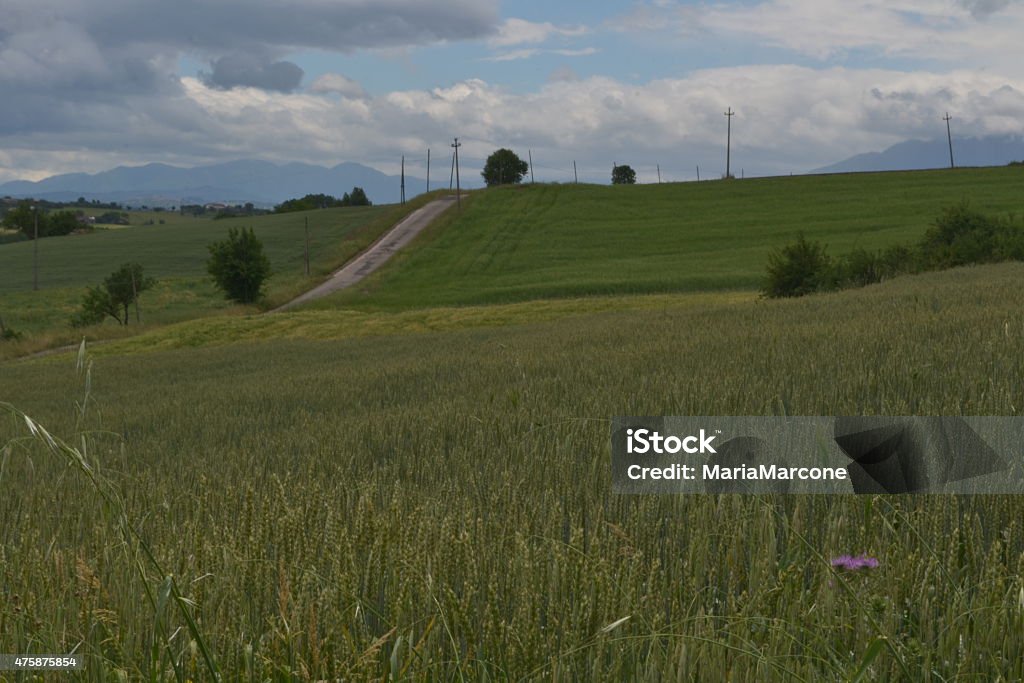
<point x="852" y="563"/>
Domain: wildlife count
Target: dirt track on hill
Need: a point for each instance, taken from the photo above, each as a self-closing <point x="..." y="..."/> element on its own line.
<point x="377" y="254"/>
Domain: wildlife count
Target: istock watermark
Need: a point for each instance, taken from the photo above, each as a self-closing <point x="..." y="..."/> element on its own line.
<point x="929" y="454"/>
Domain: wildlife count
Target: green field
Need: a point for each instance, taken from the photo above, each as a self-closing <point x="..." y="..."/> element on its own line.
<point x="437" y="505"/>
<point x="175" y="253"/>
<point x="411" y="481"/>
<point x="533" y="242"/>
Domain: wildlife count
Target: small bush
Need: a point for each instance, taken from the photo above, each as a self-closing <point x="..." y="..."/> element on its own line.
<point x="798" y="269"/>
<point x="899" y="259"/>
<point x="860" y="268"/>
<point x="960" y="236"/>
<point x="7" y="333"/>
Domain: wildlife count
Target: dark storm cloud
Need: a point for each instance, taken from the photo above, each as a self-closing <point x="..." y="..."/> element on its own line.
<point x="135" y="45"/>
<point x="251" y="71"/>
<point x="222" y="26"/>
<point x="73" y="70"/>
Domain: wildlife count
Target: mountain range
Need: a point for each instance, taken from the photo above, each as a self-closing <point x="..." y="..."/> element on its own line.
<point x="920" y="154"/>
<point x="266" y="183"/>
<point x="261" y="182"/>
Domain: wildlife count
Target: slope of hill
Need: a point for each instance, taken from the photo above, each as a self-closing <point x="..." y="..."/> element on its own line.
<point x="176" y="255"/>
<point x="924" y="154"/>
<point x="260" y="182"/>
<point x="542" y="241"/>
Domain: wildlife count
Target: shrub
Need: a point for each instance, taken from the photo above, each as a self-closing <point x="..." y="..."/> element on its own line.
<point x="960" y="236"/>
<point x="798" y="269"/>
<point x="860" y="268"/>
<point x="7" y="333"/>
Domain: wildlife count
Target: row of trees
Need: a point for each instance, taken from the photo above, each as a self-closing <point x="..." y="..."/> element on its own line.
<point x="26" y="218"/>
<point x="324" y="201"/>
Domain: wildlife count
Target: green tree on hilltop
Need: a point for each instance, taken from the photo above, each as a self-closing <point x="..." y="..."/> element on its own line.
<point x="503" y="167"/>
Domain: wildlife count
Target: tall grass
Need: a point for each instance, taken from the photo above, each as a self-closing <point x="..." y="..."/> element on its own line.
<point x="438" y="506"/>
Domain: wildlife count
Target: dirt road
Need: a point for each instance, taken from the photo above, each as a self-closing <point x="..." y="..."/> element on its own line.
<point x="378" y="253"/>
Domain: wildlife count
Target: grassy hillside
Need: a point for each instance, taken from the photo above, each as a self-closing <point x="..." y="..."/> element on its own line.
<point x="176" y="253"/>
<point x="530" y="242"/>
<point x="438" y="506"/>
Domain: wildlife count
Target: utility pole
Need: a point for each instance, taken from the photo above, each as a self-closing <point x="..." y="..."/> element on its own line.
<point x="949" y="136"/>
<point x="458" y="190"/>
<point x="530" y="153"/>
<point x="403" y="179"/>
<point x="35" y="248"/>
<point x="451" y="180"/>
<point x="728" y="141"/>
<point x="659" y="174"/>
<point x="307" y="246"/>
<point x="428" y="169"/>
<point x="698" y="173"/>
<point x="575" y="177"/>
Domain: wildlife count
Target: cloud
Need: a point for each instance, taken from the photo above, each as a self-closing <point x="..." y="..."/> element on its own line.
<point x="789" y="119"/>
<point x="564" y="73"/>
<point x="842" y="31"/>
<point x="104" y="74"/>
<point x="527" y="53"/>
<point x="246" y="70"/>
<point x="519" y="32"/>
<point x="135" y="45"/>
<point x="339" y="84"/>
<point x="981" y="9"/>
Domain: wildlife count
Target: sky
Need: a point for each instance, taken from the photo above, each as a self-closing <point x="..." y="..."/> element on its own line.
<point x="87" y="86"/>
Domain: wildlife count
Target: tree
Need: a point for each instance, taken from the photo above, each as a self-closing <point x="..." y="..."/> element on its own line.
<point x="358" y="198"/>
<point x="61" y="223"/>
<point x="238" y="265"/>
<point x="23" y="218"/>
<point x="623" y="175"/>
<point x="113" y="298"/>
<point x="504" y="166"/>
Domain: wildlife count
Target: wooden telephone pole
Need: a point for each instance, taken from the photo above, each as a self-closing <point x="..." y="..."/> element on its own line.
<point x="403" y="179"/>
<point x="949" y="137"/>
<point x="728" y="142"/>
<point x="458" y="191"/>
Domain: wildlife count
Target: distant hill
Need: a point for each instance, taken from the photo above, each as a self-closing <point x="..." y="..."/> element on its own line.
<point x="261" y="182"/>
<point x="920" y="154"/>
